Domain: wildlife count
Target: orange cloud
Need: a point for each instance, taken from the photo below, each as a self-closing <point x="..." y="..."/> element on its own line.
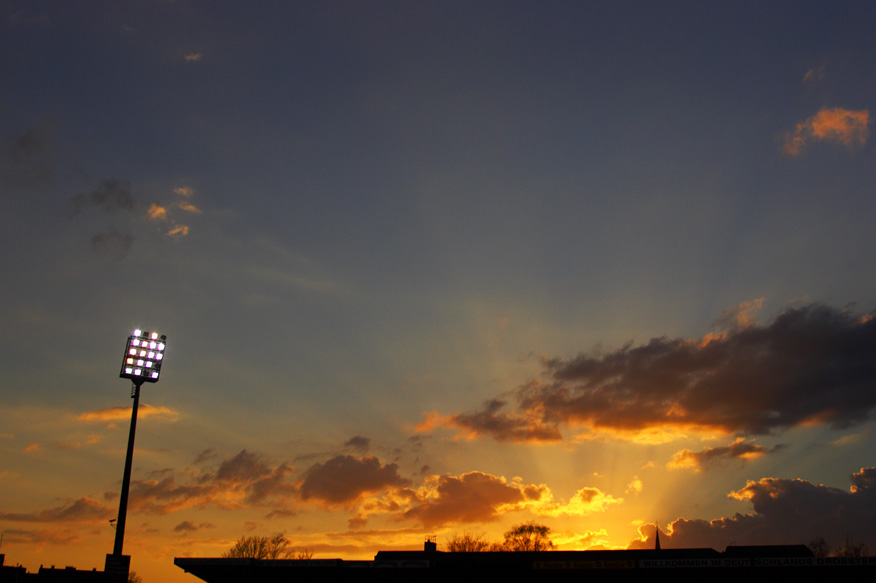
<point x="585" y="501"/>
<point x="636" y="486"/>
<point x="193" y="57"/>
<point x="188" y="207"/>
<point x="119" y="413"/>
<point x="698" y="460"/>
<point x="836" y="125"/>
<point x="156" y="212"/>
<point x="32" y="447"/>
<point x="178" y="231"/>
<point x="526" y="425"/>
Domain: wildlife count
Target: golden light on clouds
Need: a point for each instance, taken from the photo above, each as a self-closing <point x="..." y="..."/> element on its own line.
<point x="636" y="486"/>
<point x="163" y="213"/>
<point x="188" y="207"/>
<point x="119" y="413"/>
<point x="838" y="125"/>
<point x="156" y="212"/>
<point x="648" y="436"/>
<point x="584" y="502"/>
<point x="193" y="57"/>
<point x="698" y="460"/>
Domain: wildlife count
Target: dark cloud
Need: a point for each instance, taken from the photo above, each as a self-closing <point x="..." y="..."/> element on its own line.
<point x="29" y="162"/>
<point x="345" y="479"/>
<point x="112" y="245"/>
<point x="275" y="485"/>
<point x="83" y="509"/>
<point x="863" y="480"/>
<point x="471" y="497"/>
<point x="359" y="443"/>
<point x="244" y="477"/>
<point x="204" y="456"/>
<point x="738" y="450"/>
<point x="243" y="467"/>
<point x="166" y="496"/>
<point x="111" y="195"/>
<point x="811" y="365"/>
<point x="491" y="420"/>
<point x="189" y="526"/>
<point x="185" y="526"/>
<point x="786" y="511"/>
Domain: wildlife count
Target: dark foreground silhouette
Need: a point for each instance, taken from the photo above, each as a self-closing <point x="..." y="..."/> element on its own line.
<point x="430" y="564"/>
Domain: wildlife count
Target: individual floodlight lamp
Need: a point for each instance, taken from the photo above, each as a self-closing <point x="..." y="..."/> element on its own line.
<point x="144" y="354"/>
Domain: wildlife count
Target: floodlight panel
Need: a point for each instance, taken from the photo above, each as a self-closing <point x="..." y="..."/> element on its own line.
<point x="144" y="354"/>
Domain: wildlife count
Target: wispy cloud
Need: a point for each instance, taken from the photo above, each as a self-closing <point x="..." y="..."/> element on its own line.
<point x="193" y="57"/>
<point x="115" y="197"/>
<point x="81" y="510"/>
<point x="359" y="443"/>
<point x="188" y="207"/>
<point x="113" y="245"/>
<point x="738" y="450"/>
<point x="810" y="365"/>
<point x="841" y="126"/>
<point x="28" y="161"/>
<point x="178" y="231"/>
<point x="121" y="413"/>
<point x="162" y="213"/>
<point x="53" y="536"/>
<point x="111" y="195"/>
<point x="815" y="74"/>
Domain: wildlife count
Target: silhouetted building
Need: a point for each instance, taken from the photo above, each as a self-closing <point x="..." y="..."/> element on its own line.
<point x="433" y="565"/>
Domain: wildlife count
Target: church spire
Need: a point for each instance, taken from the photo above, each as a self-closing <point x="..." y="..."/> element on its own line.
<point x="656" y="537"/>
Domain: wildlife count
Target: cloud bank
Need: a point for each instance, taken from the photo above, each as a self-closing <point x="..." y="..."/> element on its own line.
<point x="786" y="511"/>
<point x="810" y="365"/>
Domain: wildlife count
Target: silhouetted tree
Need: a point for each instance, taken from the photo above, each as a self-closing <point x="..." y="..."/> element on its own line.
<point x="133" y="577"/>
<point x="528" y="536"/>
<point x="819" y="547"/>
<point x="264" y="547"/>
<point x="467" y="543"/>
<point x="850" y="549"/>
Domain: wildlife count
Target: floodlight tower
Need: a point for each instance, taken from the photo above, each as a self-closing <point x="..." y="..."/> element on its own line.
<point x="144" y="354"/>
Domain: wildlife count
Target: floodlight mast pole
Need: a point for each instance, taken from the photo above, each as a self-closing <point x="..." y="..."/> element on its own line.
<point x="144" y="354"/>
<point x="126" y="479"/>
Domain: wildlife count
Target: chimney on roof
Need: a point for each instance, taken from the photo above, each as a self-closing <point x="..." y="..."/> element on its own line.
<point x="431" y="544"/>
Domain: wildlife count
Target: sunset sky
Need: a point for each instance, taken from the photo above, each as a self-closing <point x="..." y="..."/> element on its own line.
<point x="428" y="268"/>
